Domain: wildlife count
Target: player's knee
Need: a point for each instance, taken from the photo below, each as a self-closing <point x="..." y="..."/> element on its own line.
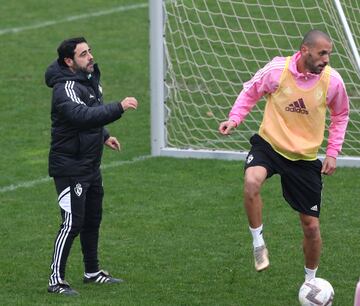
<point x="312" y="230"/>
<point x="251" y="186"/>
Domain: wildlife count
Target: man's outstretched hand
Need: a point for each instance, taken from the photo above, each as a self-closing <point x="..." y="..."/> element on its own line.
<point x="129" y="102"/>
<point x="226" y="127"/>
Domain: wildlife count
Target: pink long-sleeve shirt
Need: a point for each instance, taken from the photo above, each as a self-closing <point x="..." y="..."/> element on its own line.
<point x="266" y="81"/>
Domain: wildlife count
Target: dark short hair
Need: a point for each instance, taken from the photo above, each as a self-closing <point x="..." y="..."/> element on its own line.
<point x="311" y="37"/>
<point x="67" y="49"/>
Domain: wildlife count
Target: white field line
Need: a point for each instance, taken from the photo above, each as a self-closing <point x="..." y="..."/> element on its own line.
<point x="35" y="182"/>
<point x="44" y="24"/>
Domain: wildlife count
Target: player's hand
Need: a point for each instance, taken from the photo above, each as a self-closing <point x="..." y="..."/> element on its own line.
<point x="329" y="165"/>
<point x="226" y="127"/>
<point x="113" y="143"/>
<point x="129" y="102"/>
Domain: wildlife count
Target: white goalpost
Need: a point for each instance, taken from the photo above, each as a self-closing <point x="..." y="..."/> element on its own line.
<point x="202" y="51"/>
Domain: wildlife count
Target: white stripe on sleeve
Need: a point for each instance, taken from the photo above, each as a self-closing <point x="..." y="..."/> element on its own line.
<point x="70" y="92"/>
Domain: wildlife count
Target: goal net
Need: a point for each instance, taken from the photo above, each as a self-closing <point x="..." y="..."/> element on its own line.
<point x="212" y="47"/>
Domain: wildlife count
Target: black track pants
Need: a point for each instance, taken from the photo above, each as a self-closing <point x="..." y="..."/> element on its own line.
<point x="80" y="201"/>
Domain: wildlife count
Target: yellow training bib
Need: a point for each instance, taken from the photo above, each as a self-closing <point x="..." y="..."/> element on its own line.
<point x="294" y="118"/>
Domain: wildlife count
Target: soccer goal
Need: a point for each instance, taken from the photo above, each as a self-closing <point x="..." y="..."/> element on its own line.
<point x="202" y="52"/>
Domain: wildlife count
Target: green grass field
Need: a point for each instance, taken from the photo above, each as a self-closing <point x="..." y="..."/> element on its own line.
<point x="174" y="229"/>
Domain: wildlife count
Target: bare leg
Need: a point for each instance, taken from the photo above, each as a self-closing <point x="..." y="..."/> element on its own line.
<point x="254" y="178"/>
<point x="312" y="240"/>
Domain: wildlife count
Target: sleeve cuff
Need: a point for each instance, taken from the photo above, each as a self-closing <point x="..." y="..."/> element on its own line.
<point x="332" y="153"/>
<point x="121" y="108"/>
<point x="237" y="122"/>
<point x="106" y="134"/>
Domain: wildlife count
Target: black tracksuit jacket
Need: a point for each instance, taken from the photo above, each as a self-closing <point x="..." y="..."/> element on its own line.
<point x="78" y="117"/>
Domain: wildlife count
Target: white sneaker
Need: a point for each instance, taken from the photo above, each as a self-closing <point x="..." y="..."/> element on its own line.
<point x="261" y="257"/>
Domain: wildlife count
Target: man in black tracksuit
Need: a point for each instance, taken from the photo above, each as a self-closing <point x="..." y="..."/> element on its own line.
<point x="78" y="116"/>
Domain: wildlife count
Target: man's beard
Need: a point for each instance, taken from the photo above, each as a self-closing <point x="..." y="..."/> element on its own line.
<point x="312" y="68"/>
<point x="86" y="69"/>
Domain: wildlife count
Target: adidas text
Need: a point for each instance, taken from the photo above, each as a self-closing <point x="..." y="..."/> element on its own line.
<point x="296" y="110"/>
<point x="297" y="107"/>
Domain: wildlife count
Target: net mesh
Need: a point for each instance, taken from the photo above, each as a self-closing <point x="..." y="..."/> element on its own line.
<point x="213" y="47"/>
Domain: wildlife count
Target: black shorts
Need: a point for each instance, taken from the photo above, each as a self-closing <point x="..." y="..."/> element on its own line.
<point x="301" y="180"/>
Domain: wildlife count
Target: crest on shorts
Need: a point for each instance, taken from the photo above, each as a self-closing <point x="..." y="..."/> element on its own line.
<point x="249" y="159"/>
<point x="78" y="189"/>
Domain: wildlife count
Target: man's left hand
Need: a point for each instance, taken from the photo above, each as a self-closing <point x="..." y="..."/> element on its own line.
<point x="113" y="143"/>
<point x="329" y="165"/>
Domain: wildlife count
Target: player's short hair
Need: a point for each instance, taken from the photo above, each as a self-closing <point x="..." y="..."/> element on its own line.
<point x="67" y="49"/>
<point x="311" y="37"/>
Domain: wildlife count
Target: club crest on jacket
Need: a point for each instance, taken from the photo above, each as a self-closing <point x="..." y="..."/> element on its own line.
<point x="78" y="189"/>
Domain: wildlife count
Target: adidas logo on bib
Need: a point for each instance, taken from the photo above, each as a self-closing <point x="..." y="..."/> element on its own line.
<point x="297" y="107"/>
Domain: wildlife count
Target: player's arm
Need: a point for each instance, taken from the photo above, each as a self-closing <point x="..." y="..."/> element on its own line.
<point x="329" y="165"/>
<point x="265" y="81"/>
<point x="225" y="127"/>
<point x="338" y="104"/>
<point x="242" y="106"/>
